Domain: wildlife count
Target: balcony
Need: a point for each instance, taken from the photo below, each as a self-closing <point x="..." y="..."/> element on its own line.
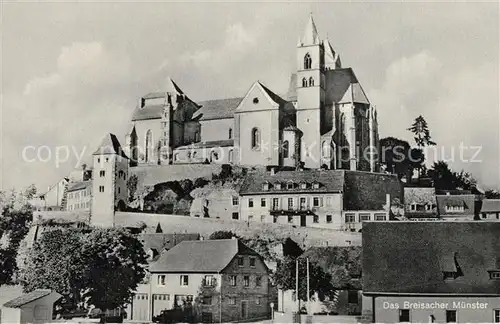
<point x="307" y="210"/>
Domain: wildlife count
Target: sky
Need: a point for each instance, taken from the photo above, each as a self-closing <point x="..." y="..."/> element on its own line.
<point x="72" y="72"/>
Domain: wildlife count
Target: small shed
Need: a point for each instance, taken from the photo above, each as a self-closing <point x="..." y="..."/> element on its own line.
<point x="34" y="307"/>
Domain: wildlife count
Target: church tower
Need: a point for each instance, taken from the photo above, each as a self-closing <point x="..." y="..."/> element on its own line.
<point x="310" y="93"/>
<point x="109" y="181"/>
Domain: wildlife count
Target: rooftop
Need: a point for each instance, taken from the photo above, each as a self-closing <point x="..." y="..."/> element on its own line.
<point x="209" y="256"/>
<point x="465" y="201"/>
<point x="81" y="185"/>
<point x="27" y="298"/>
<point x="491" y="206"/>
<point x="110" y="145"/>
<point x="410" y="257"/>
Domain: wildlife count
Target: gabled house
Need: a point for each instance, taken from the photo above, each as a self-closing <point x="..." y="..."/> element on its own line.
<point x="456" y="207"/>
<point x="490" y="209"/>
<point x="432" y="271"/>
<point x="206" y="281"/>
<point x="155" y="243"/>
<point x="420" y="203"/>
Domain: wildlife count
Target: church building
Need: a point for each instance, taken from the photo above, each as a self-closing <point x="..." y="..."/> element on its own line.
<point x="324" y="121"/>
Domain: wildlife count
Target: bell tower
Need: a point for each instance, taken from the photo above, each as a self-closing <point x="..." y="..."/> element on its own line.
<point x="310" y="93"/>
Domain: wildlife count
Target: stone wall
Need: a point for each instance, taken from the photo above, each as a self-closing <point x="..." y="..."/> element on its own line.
<point x="305" y="237"/>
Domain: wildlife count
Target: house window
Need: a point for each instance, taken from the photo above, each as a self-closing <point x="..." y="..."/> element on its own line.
<point x="262" y="202"/>
<point x="449" y="275"/>
<point x="232" y="281"/>
<point x="290" y="185"/>
<point x="352" y="296"/>
<point x="246" y="281"/>
<point x="496" y="316"/>
<point x="250" y="202"/>
<point x="413" y="207"/>
<point x="350" y="218"/>
<point x="257" y="301"/>
<point x="184" y="280"/>
<point x="250" y="218"/>
<point x="285" y="149"/>
<point x="315" y="219"/>
<point x="307" y="62"/>
<point x="230" y="156"/>
<point x="404" y="315"/>
<point x="316" y="202"/>
<point x="102" y="173"/>
<point x="209" y="281"/>
<point x="364" y="217"/>
<point x="311" y="81"/>
<point x="290" y="203"/>
<point x="235" y="200"/>
<point x="380" y="217"/>
<point x="101" y="188"/>
<point x="161" y="280"/>
<point x="240" y="261"/>
<point x="98" y="160"/>
<point x="235" y="215"/>
<point x="428" y="207"/>
<point x="230" y="133"/>
<point x="255" y="138"/>
<point x="302" y="203"/>
<point x="451" y="316"/>
<point x="304" y="82"/>
<point x="119" y="190"/>
<point x="107" y="159"/>
<point x="275" y="203"/>
<point x="258" y="281"/>
<point x="290" y="219"/>
<point x="252" y="262"/>
<point x="207" y="300"/>
<point x="232" y="301"/>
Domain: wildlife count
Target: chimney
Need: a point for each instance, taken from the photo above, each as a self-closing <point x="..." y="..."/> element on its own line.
<point x="273" y="171"/>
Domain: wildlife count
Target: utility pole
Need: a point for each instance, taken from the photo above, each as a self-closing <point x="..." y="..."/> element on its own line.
<point x="308" y="298"/>
<point x="297" y="284"/>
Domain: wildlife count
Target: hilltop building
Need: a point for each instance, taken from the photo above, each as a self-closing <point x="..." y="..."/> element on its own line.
<point x="324" y="121"/>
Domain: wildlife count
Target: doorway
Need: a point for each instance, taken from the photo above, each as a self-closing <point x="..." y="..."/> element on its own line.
<point x="244" y="309"/>
<point x="303" y="222"/>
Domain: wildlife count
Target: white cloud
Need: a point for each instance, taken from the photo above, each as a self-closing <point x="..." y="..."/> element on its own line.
<point x="73" y="106"/>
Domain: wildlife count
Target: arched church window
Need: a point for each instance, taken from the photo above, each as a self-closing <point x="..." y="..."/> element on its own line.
<point x="307" y="62"/>
<point x="285" y="149"/>
<point x="230" y="133"/>
<point x="326" y="149"/>
<point x="311" y="82"/>
<point x="149" y="145"/>
<point x="255" y="138"/>
<point x="304" y="82"/>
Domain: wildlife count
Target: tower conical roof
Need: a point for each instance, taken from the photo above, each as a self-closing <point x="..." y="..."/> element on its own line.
<point x="172" y="87"/>
<point x="332" y="59"/>
<point x="311" y="33"/>
<point x="110" y="145"/>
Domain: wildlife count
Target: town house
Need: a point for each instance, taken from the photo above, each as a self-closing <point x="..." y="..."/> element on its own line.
<point x="432" y="272"/>
<point x="209" y="281"/>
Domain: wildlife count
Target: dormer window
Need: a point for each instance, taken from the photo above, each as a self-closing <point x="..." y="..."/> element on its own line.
<point x="494" y="274"/>
<point x="450" y="267"/>
<point x="428" y="207"/>
<point x="303" y="185"/>
<point x="278" y="186"/>
<point x="315" y="185"/>
<point x="265" y="186"/>
<point x="290" y="185"/>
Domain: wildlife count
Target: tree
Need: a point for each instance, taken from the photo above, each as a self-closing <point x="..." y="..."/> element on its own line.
<point x="222" y="235"/>
<point x="320" y="281"/>
<point x="17" y="214"/>
<point x="132" y="187"/>
<point x="442" y="176"/>
<point x="492" y="194"/>
<point x="95" y="266"/>
<point x="464" y="180"/>
<point x="394" y="154"/>
<point x="420" y="130"/>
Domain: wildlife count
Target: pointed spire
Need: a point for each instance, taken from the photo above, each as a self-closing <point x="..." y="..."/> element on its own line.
<point x="311" y="33"/>
<point x="172" y="87"/>
<point x="110" y="145"/>
<point x="332" y="59"/>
